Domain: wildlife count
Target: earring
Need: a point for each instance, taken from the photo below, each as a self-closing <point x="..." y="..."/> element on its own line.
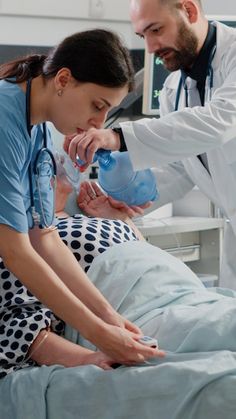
<point x="59" y="92"/>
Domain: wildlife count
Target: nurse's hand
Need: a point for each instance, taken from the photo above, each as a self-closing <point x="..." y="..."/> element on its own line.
<point x="86" y="144"/>
<point x="115" y="319"/>
<point x="123" y="347"/>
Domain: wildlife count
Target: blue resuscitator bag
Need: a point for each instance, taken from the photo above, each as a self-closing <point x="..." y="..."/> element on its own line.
<point x="118" y="179"/>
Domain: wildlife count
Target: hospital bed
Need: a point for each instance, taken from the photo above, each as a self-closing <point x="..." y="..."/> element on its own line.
<point x="194" y="325"/>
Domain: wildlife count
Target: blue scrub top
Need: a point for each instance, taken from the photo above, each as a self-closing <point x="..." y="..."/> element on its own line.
<point x="17" y="150"/>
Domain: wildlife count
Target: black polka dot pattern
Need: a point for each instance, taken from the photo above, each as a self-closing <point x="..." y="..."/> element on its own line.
<point x="22" y="316"/>
<point x="87" y="237"/>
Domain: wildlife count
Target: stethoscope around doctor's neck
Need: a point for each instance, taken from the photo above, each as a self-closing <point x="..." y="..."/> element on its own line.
<point x="43" y="157"/>
<point x="209" y="83"/>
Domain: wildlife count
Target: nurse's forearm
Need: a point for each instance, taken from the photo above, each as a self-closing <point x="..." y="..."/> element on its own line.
<point x="23" y="261"/>
<point x="62" y="261"/>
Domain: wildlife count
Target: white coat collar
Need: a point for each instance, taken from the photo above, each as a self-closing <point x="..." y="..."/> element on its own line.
<point x="225" y="36"/>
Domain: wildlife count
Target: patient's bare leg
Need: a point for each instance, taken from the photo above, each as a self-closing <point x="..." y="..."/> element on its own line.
<point x="50" y="349"/>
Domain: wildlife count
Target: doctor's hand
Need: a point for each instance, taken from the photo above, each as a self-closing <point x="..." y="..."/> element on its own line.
<point x="131" y="211"/>
<point x="86" y="144"/>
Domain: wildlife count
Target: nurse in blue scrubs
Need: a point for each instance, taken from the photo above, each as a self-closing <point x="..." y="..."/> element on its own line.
<point x="73" y="87"/>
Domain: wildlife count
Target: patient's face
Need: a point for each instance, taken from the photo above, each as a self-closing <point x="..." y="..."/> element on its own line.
<point x="63" y="190"/>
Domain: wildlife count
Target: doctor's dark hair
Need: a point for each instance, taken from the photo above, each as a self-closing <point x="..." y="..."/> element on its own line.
<point x="95" y="56"/>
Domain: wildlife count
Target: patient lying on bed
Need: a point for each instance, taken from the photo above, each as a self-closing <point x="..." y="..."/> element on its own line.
<point x="195" y="326"/>
<point x="106" y="225"/>
<point x="144" y="277"/>
<point x="23" y="317"/>
<point x="131" y="260"/>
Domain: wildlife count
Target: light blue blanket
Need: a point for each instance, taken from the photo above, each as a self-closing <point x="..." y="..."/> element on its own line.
<point x="196" y="326"/>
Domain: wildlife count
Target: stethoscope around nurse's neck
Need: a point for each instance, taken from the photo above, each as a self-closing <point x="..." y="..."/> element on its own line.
<point x="209" y="84"/>
<point x="33" y="167"/>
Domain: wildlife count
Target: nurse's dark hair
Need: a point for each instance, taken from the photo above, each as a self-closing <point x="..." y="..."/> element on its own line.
<point x="94" y="56"/>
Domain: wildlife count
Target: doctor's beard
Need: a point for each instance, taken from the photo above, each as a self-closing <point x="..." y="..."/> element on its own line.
<point x="183" y="56"/>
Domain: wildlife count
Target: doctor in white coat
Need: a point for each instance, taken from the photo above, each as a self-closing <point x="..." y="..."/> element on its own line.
<point x="194" y="140"/>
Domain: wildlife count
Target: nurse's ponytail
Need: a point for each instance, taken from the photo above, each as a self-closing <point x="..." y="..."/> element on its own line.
<point x="23" y="68"/>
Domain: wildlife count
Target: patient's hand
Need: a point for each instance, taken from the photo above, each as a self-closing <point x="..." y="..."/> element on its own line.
<point x="95" y="203"/>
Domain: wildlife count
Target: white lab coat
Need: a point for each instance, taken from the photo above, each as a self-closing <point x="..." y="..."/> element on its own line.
<point x="171" y="144"/>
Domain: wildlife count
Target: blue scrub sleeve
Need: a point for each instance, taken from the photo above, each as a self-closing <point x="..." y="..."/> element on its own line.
<point x="12" y="158"/>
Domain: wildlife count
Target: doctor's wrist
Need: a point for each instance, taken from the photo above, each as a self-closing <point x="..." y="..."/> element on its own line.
<point x="122" y="139"/>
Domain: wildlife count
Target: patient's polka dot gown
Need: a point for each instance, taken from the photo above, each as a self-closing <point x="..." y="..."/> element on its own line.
<point x="88" y="237"/>
<point x="22" y="316"/>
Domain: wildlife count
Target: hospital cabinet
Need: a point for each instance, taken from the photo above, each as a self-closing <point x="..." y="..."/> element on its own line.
<point x="197" y="241"/>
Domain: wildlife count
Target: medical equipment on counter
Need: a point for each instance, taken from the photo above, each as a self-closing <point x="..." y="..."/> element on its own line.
<point x="43" y="170"/>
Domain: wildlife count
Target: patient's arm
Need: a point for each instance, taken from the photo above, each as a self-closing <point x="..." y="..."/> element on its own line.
<point x="95" y="203"/>
<point x="92" y="189"/>
<point x="63" y="190"/>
